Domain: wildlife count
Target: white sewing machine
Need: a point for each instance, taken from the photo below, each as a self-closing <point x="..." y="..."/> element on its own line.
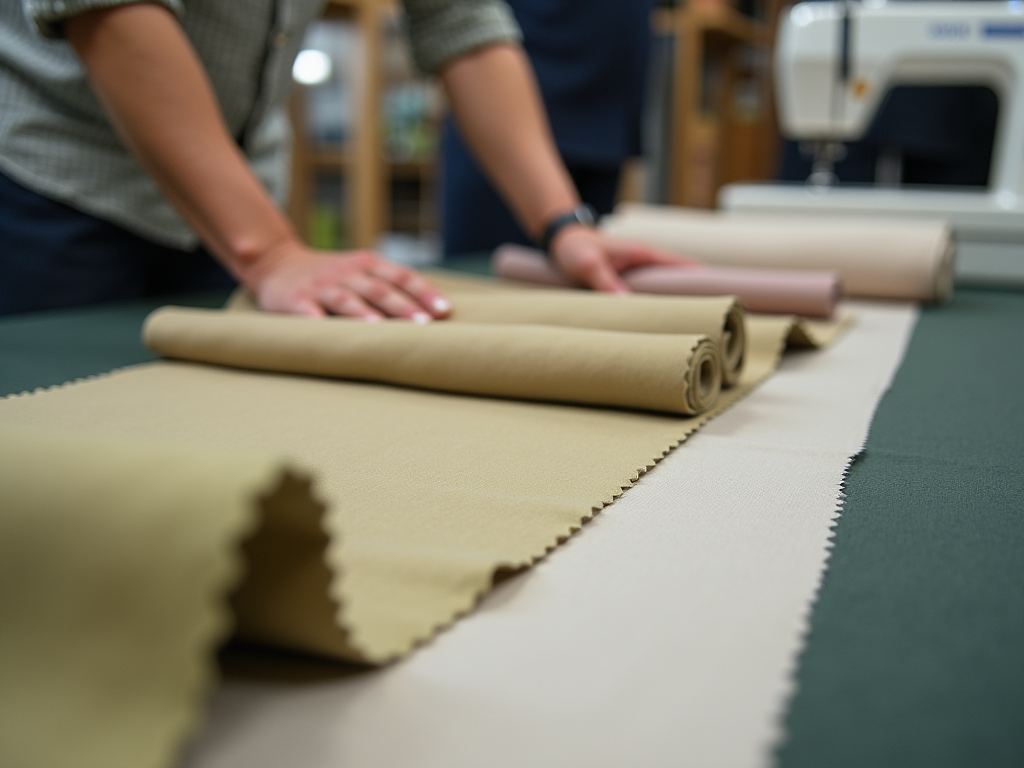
<point x="834" y="63"/>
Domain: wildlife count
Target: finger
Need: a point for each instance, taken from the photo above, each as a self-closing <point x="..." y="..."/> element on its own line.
<point x="342" y="301"/>
<point x="599" y="275"/>
<point x="387" y="298"/>
<point x="633" y="254"/>
<point x="305" y="307"/>
<point x="630" y="255"/>
<point x="426" y="295"/>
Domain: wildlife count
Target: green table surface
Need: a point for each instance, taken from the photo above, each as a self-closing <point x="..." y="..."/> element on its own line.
<point x="916" y="651"/>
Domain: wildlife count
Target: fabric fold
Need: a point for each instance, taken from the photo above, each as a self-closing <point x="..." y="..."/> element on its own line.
<point x="117" y="558"/>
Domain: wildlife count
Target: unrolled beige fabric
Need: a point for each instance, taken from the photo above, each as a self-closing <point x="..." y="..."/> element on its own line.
<point x="122" y="553"/>
<point x="877" y="258"/>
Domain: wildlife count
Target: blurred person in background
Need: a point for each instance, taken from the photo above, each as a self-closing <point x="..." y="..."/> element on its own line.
<point x="590" y="59"/>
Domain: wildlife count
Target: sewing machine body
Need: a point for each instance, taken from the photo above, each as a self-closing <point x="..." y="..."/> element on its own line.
<point x="835" y="62"/>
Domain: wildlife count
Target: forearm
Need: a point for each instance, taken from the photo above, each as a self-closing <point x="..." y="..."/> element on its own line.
<point x="166" y="114"/>
<point x="497" y="105"/>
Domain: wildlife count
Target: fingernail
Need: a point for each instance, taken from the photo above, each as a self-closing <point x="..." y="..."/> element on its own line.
<point x="373" y="318"/>
<point x="421" y="317"/>
<point x="441" y="304"/>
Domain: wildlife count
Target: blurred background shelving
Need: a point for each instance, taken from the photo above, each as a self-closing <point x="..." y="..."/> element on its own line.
<point x="366" y="124"/>
<point x="365" y="130"/>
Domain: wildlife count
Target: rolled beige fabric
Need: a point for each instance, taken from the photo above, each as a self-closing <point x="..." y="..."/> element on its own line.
<point x="774" y="291"/>
<point x="876" y="257"/>
<point x="674" y="373"/>
<point x="721" y="317"/>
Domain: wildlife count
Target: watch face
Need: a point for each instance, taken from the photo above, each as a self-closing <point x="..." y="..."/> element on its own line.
<point x="582" y="214"/>
<point x="585" y="214"/>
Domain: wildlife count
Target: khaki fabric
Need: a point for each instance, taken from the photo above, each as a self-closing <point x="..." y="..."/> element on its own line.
<point x="906" y="259"/>
<point x="428" y="493"/>
<point x="677" y="373"/>
<point x="720" y="318"/>
<point x="116" y="557"/>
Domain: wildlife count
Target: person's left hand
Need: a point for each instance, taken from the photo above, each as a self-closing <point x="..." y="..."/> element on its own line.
<point x="589" y="257"/>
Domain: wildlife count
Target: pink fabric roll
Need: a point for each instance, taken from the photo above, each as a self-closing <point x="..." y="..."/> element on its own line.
<point x="796" y="292"/>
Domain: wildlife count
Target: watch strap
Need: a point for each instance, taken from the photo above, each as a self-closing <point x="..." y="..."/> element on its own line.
<point x="582" y="214"/>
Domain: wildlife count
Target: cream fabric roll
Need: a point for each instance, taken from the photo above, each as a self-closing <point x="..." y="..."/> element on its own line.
<point x="876" y="257"/>
<point x="674" y="373"/>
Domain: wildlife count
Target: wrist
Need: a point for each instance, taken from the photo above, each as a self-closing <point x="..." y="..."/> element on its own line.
<point x="255" y="262"/>
<point x="582" y="215"/>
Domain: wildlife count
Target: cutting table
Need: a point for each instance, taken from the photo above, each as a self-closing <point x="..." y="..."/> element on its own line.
<point x="914" y="655"/>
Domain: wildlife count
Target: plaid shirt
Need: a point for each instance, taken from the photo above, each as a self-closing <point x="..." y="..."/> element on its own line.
<point x="56" y="139"/>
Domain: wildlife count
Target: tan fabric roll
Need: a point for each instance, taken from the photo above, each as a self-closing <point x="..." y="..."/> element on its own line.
<point x="877" y="258"/>
<point x="721" y="318"/>
<point x="674" y="373"/>
<point x="718" y="317"/>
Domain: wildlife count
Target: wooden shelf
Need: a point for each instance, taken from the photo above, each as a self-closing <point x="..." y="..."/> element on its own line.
<point x="713" y="18"/>
<point x="341" y="159"/>
<point x="363" y="162"/>
<point x="705" y="132"/>
<point x="343" y="9"/>
<point x="418" y="168"/>
<point x="327" y="159"/>
<point x="363" y="159"/>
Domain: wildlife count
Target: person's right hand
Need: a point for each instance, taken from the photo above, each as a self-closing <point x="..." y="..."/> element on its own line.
<point x="356" y="284"/>
<point x="593" y="259"/>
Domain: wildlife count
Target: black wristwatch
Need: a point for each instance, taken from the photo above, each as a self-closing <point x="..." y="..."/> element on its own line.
<point x="582" y="214"/>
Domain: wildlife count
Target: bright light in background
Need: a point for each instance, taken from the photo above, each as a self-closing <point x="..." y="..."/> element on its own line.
<point x="312" y="67"/>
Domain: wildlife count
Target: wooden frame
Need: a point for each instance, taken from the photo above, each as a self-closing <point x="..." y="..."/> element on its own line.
<point x="706" y="141"/>
<point x="363" y="157"/>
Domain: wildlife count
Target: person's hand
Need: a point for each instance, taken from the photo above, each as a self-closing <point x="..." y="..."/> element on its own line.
<point x="356" y="284"/>
<point x="591" y="258"/>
